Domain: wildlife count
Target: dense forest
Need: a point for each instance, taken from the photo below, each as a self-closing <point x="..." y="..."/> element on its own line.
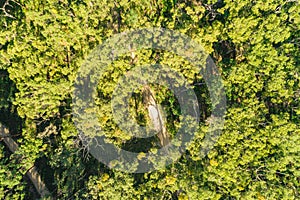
<point x="242" y="143"/>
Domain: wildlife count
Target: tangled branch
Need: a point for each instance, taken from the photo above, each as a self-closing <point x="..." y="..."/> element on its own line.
<point x="7" y="7"/>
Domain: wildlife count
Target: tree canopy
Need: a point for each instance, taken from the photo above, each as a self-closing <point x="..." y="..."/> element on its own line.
<point x="255" y="46"/>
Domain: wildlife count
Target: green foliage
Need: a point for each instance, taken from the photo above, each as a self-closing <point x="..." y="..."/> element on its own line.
<point x="11" y="184"/>
<point x="255" y="45"/>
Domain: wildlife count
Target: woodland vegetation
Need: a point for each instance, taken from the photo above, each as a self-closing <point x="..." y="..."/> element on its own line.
<point x="254" y="44"/>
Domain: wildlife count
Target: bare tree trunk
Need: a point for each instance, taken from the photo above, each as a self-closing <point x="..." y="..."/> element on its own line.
<point x="155" y="115"/>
